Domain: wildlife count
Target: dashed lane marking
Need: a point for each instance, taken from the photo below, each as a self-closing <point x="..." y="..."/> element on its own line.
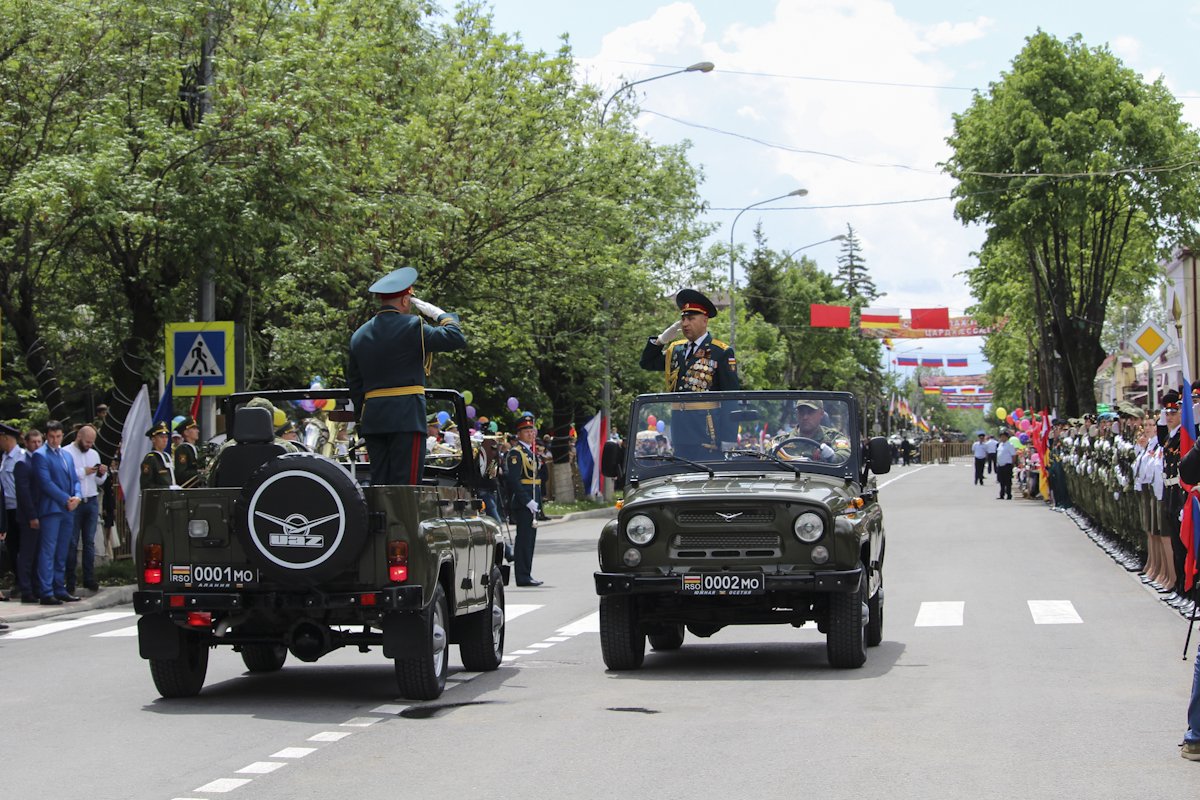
<point x="940" y="614"/>
<point x="588" y="624"/>
<point x="1054" y="612"/>
<point x="222" y="785"/>
<point x="388" y="708"/>
<point x="261" y="767"/>
<point x="329" y="736"/>
<point x="66" y="625"/>
<point x="360" y="722"/>
<point x="294" y="752"/>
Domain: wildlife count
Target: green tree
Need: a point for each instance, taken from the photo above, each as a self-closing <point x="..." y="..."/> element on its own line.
<point x="763" y="280"/>
<point x="852" y="276"/>
<point x="1082" y="167"/>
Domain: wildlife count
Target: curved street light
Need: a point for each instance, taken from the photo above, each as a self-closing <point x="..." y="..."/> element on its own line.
<point x="699" y="66"/>
<point x="732" y="276"/>
<point x="841" y="237"/>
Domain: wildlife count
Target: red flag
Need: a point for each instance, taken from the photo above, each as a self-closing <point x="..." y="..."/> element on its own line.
<point x="931" y="318"/>
<point x="196" y="402"/>
<point x="829" y="316"/>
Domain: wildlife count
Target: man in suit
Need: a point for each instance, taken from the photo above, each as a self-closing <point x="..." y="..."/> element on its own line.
<point x="695" y="363"/>
<point x="521" y="473"/>
<point x="390" y="356"/>
<point x="58" y="497"/>
<point x="10" y="445"/>
<point x="27" y="502"/>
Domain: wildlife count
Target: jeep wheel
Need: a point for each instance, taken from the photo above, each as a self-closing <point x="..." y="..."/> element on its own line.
<point x="182" y="676"/>
<point x="482" y="643"/>
<point x="846" y="642"/>
<point x="667" y="637"/>
<point x="875" y="622"/>
<point x="423" y="676"/>
<point x="622" y="642"/>
<point x="264" y="657"/>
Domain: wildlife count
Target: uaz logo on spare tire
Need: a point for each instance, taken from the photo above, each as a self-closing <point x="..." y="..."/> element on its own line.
<point x="303" y="518"/>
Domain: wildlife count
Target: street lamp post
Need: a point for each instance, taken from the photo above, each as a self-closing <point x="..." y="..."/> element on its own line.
<point x="732" y="261"/>
<point x="841" y="237"/>
<point x="606" y="385"/>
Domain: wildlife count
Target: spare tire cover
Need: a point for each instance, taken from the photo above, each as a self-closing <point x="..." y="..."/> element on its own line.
<point x="302" y="519"/>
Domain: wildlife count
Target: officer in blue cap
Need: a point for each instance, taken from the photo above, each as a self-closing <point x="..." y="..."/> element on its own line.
<point x="390" y="357"/>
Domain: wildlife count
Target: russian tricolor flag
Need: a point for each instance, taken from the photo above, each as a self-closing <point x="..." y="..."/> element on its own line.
<point x="956" y="362"/>
<point x="587" y="453"/>
<point x="906" y="362"/>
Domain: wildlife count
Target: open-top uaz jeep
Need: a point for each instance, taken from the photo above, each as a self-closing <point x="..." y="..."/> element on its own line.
<point x="298" y="552"/>
<point x="743" y="508"/>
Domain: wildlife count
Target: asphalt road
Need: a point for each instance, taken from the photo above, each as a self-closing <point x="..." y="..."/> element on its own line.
<point x="1018" y="661"/>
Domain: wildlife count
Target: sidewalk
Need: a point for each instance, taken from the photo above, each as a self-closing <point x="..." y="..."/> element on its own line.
<point x="108" y="596"/>
<point x="595" y="513"/>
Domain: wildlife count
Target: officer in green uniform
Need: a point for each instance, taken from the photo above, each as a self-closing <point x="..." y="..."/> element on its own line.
<point x="832" y="446"/>
<point x="695" y="363"/>
<point x="157" y="469"/>
<point x="186" y="455"/>
<point x="390" y="356"/>
<point x="521" y="475"/>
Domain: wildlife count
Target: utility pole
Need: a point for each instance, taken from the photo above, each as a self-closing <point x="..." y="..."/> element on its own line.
<point x="208" y="290"/>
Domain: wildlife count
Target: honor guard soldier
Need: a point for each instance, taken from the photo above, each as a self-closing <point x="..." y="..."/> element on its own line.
<point x="157" y="467"/>
<point x="521" y="473"/>
<point x="186" y="455"/>
<point x="390" y="357"/>
<point x="695" y="363"/>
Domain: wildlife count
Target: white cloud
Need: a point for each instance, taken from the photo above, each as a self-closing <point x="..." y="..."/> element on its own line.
<point x="749" y="112"/>
<point x="670" y="30"/>
<point x="952" y="34"/>
<point x="1127" y="48"/>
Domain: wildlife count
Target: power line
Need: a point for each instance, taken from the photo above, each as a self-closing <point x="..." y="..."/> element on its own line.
<point x="818" y="78"/>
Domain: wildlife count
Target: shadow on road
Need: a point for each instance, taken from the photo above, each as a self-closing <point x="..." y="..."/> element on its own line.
<point x="708" y="660"/>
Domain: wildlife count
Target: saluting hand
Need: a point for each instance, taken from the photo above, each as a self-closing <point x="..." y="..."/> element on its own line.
<point x="427" y="309"/>
<point x="667" y="336"/>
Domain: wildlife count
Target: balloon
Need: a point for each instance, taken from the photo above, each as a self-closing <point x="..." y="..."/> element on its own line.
<point x="1016" y="412"/>
<point x="176" y="421"/>
<point x="1024" y="437"/>
<point x="651" y="419"/>
<point x="513" y="404"/>
<point x="443" y="417"/>
<point x="493" y="427"/>
<point x="1001" y="413"/>
<point x="278" y="417"/>
<point x="650" y="426"/>
<point x="468" y="396"/>
<point x="660" y="426"/>
<point x="308" y="405"/>
<point x="319" y="404"/>
<point x="470" y="412"/>
<point x="1025" y="425"/>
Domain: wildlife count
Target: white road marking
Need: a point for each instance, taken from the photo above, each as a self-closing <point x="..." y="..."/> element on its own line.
<point x="360" y="722"/>
<point x="542" y="645"/>
<point x="329" y="736"/>
<point x="66" y="625"/>
<point x="463" y="677"/>
<point x="514" y="610"/>
<point x="222" y="785"/>
<point x="558" y="638"/>
<point x="261" y="767"/>
<point x="940" y="614"/>
<point x="130" y="631"/>
<point x="294" y="752"/>
<point x="523" y="652"/>
<point x="905" y="475"/>
<point x="388" y="708"/>
<point x="1054" y="612"/>
<point x="588" y="624"/>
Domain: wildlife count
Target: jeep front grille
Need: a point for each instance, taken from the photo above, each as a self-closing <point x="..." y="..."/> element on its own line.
<point x="732" y="516"/>
<point x="725" y="545"/>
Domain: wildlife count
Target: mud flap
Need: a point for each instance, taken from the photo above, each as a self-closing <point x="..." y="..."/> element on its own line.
<point x="403" y="633"/>
<point x="158" y="637"/>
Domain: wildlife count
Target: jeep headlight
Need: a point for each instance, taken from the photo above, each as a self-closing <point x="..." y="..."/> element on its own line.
<point x="640" y="529"/>
<point x="809" y="527"/>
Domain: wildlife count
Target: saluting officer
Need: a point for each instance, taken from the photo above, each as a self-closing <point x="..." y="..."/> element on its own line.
<point x="390" y="356"/>
<point x="186" y="455"/>
<point x="695" y="363"/>
<point x="157" y="467"/>
<point x="521" y="473"/>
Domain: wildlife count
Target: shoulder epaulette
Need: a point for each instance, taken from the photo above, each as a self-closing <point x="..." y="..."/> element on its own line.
<point x="720" y="344"/>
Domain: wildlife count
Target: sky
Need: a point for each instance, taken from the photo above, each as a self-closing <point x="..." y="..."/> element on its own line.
<point x="851" y="100"/>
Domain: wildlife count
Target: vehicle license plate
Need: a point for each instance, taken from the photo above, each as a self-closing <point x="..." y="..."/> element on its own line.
<point x="212" y="576"/>
<point x="723" y="584"/>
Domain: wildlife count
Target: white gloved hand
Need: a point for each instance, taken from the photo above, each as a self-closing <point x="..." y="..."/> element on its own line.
<point x="532" y="506"/>
<point x="668" y="336"/>
<point x="427" y="309"/>
<point x="826" y="452"/>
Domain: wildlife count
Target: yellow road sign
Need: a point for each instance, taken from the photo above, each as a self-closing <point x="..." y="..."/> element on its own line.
<point x="1150" y="341"/>
<point x="201" y="354"/>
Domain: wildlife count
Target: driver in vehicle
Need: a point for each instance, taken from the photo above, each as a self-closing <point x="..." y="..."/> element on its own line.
<point x="824" y="443"/>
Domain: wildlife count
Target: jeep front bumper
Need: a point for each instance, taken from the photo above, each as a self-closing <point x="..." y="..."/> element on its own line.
<point x="818" y="581"/>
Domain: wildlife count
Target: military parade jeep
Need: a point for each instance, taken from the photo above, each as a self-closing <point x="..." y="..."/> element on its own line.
<point x="743" y="508"/>
<point x="297" y="552"/>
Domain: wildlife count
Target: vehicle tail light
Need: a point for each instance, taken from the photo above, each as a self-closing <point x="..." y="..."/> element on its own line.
<point x="199" y="619"/>
<point x="175" y="601"/>
<point x="152" y="555"/>
<point x="397" y="557"/>
<point x="368" y="599"/>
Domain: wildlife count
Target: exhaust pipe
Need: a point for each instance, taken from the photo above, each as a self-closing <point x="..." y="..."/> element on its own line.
<point x="308" y="641"/>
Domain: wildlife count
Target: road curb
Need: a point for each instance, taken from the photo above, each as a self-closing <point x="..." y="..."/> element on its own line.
<point x="107" y="597"/>
<point x="595" y="513"/>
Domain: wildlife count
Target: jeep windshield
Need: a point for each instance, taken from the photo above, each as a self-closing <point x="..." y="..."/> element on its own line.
<point x="723" y="432"/>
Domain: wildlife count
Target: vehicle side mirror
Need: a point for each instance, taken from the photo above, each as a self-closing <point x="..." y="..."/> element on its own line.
<point x="612" y="458"/>
<point x="879" y="455"/>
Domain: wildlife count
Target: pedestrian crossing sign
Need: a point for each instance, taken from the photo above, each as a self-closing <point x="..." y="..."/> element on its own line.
<point x="200" y="355"/>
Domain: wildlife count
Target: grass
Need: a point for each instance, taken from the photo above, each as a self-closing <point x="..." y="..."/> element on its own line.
<point x="116" y="573"/>
<point x="553" y="509"/>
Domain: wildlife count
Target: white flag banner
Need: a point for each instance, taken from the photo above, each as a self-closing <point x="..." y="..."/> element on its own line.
<point x="134" y="447"/>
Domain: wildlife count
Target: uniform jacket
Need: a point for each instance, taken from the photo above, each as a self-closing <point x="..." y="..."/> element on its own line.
<point x="27" y="491"/>
<point x="187" y="462"/>
<point x="521" y="475"/>
<point x="56" y="480"/>
<point x="156" y="470"/>
<point x="712" y="366"/>
<point x="391" y="350"/>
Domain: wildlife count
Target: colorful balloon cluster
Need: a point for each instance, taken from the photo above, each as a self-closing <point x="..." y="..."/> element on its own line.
<point x="1023" y="419"/>
<point x="312" y="406"/>
<point x="653" y="423"/>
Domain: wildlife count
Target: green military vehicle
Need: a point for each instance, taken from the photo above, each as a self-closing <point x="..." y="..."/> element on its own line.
<point x="743" y="508"/>
<point x="296" y="552"/>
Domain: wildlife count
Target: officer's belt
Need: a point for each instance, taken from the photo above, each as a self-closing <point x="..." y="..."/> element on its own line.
<point x="530" y="481"/>
<point x="708" y="405"/>
<point x="395" y="391"/>
<point x="1171" y="481"/>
